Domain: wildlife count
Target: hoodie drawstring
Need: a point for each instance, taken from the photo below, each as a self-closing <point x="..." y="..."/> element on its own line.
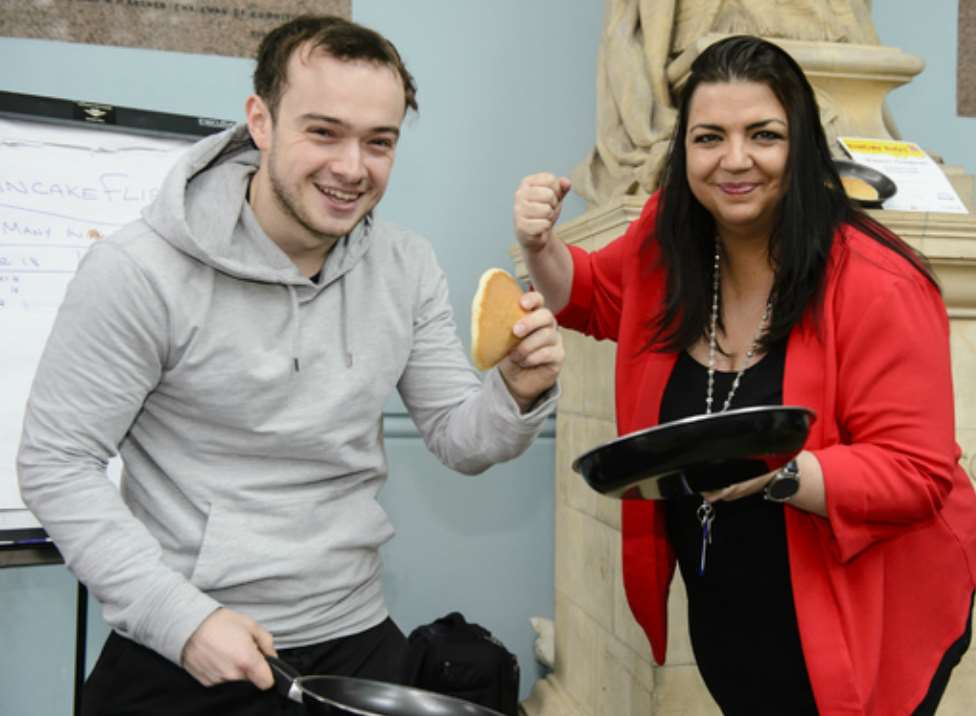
<point x="344" y="321"/>
<point x="296" y="325"/>
<point x="296" y="328"/>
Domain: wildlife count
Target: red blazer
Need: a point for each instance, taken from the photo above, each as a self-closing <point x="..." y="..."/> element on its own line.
<point x="882" y="584"/>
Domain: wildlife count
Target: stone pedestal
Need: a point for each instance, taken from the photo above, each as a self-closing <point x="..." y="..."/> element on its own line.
<point x="602" y="659"/>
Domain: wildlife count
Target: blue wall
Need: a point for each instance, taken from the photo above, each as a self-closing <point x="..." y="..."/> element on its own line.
<point x="925" y="109"/>
<point x="505" y="88"/>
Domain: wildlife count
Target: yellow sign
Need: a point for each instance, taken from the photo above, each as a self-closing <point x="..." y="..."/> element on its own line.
<point x="883" y="146"/>
<point x="920" y="183"/>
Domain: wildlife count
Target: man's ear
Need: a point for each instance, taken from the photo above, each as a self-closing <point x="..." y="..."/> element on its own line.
<point x="259" y="121"/>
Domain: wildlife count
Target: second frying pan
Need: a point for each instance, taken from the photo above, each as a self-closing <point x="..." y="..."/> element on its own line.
<point x="704" y="452"/>
<point x="348" y="696"/>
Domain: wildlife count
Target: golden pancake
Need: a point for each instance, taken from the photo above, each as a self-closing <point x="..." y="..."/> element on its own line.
<point x="494" y="311"/>
<point x="857" y="188"/>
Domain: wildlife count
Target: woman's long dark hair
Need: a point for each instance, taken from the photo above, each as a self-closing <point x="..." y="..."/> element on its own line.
<point x="814" y="205"/>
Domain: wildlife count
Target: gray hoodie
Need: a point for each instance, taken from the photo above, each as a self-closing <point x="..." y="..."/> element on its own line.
<point x="246" y="402"/>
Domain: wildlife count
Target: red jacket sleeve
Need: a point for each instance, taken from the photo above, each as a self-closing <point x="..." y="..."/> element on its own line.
<point x="896" y="461"/>
<point x="596" y="298"/>
<point x="600" y="279"/>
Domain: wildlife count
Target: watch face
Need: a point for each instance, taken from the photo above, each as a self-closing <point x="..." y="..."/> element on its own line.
<point x="783" y="487"/>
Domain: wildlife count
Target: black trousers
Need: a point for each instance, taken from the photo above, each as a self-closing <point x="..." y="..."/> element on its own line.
<point x="131" y="680"/>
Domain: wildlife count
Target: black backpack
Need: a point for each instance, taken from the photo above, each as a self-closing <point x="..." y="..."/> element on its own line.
<point x="454" y="657"/>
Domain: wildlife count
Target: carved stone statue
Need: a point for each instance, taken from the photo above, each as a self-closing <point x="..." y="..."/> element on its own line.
<point x="635" y="107"/>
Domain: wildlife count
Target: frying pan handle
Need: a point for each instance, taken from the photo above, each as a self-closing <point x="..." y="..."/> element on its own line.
<point x="286" y="678"/>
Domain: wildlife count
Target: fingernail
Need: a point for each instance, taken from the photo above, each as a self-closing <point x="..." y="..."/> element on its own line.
<point x="518" y="329"/>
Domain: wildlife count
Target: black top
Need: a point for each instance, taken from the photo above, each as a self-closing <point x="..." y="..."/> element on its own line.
<point x="740" y="612"/>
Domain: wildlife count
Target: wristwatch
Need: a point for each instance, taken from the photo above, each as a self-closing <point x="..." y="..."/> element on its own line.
<point x="785" y="483"/>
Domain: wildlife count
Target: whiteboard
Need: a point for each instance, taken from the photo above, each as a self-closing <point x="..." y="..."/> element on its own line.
<point x="62" y="187"/>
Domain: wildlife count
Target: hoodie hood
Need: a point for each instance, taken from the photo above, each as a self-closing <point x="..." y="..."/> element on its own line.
<point x="202" y="211"/>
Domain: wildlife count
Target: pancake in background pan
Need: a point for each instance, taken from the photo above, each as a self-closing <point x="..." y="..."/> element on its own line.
<point x="857" y="188"/>
<point x="494" y="311"/>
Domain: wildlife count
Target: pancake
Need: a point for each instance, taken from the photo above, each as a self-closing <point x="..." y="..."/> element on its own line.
<point x="494" y="311"/>
<point x="857" y="188"/>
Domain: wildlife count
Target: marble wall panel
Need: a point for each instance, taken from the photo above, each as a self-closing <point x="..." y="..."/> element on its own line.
<point x="575" y="656"/>
<point x="626" y="680"/>
<point x="681" y="692"/>
<point x="963" y="342"/>
<point x="584" y="565"/>
<point x="583" y="434"/>
<point x="572" y="378"/>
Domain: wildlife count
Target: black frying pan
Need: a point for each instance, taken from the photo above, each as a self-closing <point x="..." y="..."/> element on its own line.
<point x="882" y="183"/>
<point x="347" y="696"/>
<point x="704" y="452"/>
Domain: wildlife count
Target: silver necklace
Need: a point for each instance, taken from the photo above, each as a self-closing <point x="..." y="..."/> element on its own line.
<point x="713" y="342"/>
<point x="705" y="512"/>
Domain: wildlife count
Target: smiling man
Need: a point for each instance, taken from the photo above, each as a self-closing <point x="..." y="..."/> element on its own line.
<point x="236" y="346"/>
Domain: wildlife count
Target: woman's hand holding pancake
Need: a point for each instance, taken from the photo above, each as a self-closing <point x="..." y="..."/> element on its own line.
<point x="533" y="366"/>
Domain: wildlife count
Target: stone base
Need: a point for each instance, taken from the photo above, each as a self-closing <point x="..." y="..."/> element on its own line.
<point x="949" y="243"/>
<point x="548" y="698"/>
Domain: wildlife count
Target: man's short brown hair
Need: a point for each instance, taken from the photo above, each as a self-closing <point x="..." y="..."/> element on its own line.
<point x="340" y="38"/>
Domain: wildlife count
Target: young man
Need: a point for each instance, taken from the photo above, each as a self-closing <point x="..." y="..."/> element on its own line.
<point x="236" y="346"/>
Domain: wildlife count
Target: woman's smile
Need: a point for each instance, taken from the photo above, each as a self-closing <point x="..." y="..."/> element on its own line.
<point x="737" y="188"/>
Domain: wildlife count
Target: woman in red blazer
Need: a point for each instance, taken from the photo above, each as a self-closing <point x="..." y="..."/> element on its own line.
<point x="842" y="584"/>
